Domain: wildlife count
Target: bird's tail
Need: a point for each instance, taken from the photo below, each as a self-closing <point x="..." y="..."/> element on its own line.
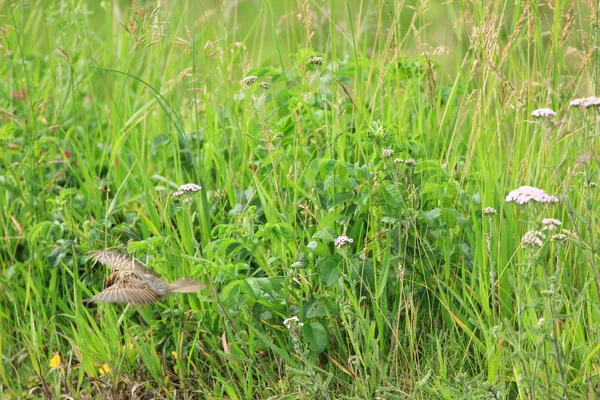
<point x="186" y="286"/>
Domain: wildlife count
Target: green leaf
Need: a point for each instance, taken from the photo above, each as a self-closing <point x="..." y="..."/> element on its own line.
<point x="232" y="248"/>
<point x="301" y="261"/>
<point x="430" y="216"/>
<point x="329" y="269"/>
<point x="312" y="245"/>
<point x="316" y="336"/>
<point x="287" y="231"/>
<point x="319" y="249"/>
<point x="392" y="196"/>
<point x="327" y="234"/>
<point x="319" y="308"/>
<point x="453" y="217"/>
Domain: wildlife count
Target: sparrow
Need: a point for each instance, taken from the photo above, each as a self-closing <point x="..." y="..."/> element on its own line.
<point x="131" y="282"/>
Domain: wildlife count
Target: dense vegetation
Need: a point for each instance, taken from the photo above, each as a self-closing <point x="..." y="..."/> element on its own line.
<point x="354" y="227"/>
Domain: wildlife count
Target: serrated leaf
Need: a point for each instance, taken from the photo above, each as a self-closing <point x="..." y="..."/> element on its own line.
<point x="392" y="196"/>
<point x="319" y="308"/>
<point x="329" y="270"/>
<point x="312" y="245"/>
<point x="431" y="216"/>
<point x="326" y="234"/>
<point x="287" y="231"/>
<point x="301" y="261"/>
<point x="316" y="336"/>
<point x="453" y="217"/>
<point x="232" y="248"/>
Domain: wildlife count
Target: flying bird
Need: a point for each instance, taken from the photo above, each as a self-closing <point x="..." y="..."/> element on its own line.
<point x="132" y="282"/>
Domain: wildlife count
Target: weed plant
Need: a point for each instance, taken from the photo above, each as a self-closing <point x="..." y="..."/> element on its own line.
<point x="356" y="226"/>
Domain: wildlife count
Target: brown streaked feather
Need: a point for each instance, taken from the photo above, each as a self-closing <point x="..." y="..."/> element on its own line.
<point x="123" y="292"/>
<point x="131" y="282"/>
<point x="117" y="261"/>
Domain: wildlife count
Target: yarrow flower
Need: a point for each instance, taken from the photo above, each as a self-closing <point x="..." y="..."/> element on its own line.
<point x="188" y="188"/>
<point x="546" y="113"/>
<point x="489" y="211"/>
<point x="525" y="194"/>
<point x="294" y="325"/>
<point x="569" y="233"/>
<point x="292" y="322"/>
<point x="398" y="161"/>
<point x="559" y="237"/>
<point x="387" y="153"/>
<point x="550" y="224"/>
<point x="586" y="102"/>
<point x="410" y="162"/>
<point x="532" y="238"/>
<point x="249" y="80"/>
<point x="315" y="61"/>
<point x="540" y="322"/>
<point x="264" y="85"/>
<point x="343" y="241"/>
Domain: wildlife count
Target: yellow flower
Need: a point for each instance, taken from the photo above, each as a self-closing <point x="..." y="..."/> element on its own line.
<point x="55" y="361"/>
<point x="105" y="369"/>
<point x="174" y="354"/>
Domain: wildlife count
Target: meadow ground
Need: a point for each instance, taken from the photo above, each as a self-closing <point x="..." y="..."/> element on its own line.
<point x="356" y="227"/>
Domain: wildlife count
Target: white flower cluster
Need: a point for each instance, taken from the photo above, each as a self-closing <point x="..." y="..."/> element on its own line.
<point x="563" y="235"/>
<point x="188" y="188"/>
<point x="410" y="162"/>
<point x="525" y="194"/>
<point x="533" y="238"/>
<point x="249" y="80"/>
<point x="292" y="323"/>
<point x="540" y="323"/>
<point x="586" y="102"/>
<point x="546" y="113"/>
<point x="343" y="241"/>
<point x="387" y="153"/>
<point x="489" y="211"/>
<point x="315" y="60"/>
<point x="550" y="224"/>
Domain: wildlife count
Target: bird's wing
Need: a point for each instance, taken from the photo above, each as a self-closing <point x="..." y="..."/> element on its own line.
<point x="116" y="261"/>
<point x="127" y="292"/>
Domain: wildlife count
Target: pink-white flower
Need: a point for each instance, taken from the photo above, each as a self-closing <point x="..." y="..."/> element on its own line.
<point x="532" y="238"/>
<point x="586" y="102"/>
<point x="550" y="224"/>
<point x="525" y="194"/>
<point x="546" y="113"/>
<point x="188" y="188"/>
<point x="249" y="80"/>
<point x="343" y="241"/>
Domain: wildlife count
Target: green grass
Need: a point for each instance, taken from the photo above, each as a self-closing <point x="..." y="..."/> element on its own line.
<point x="107" y="107"/>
